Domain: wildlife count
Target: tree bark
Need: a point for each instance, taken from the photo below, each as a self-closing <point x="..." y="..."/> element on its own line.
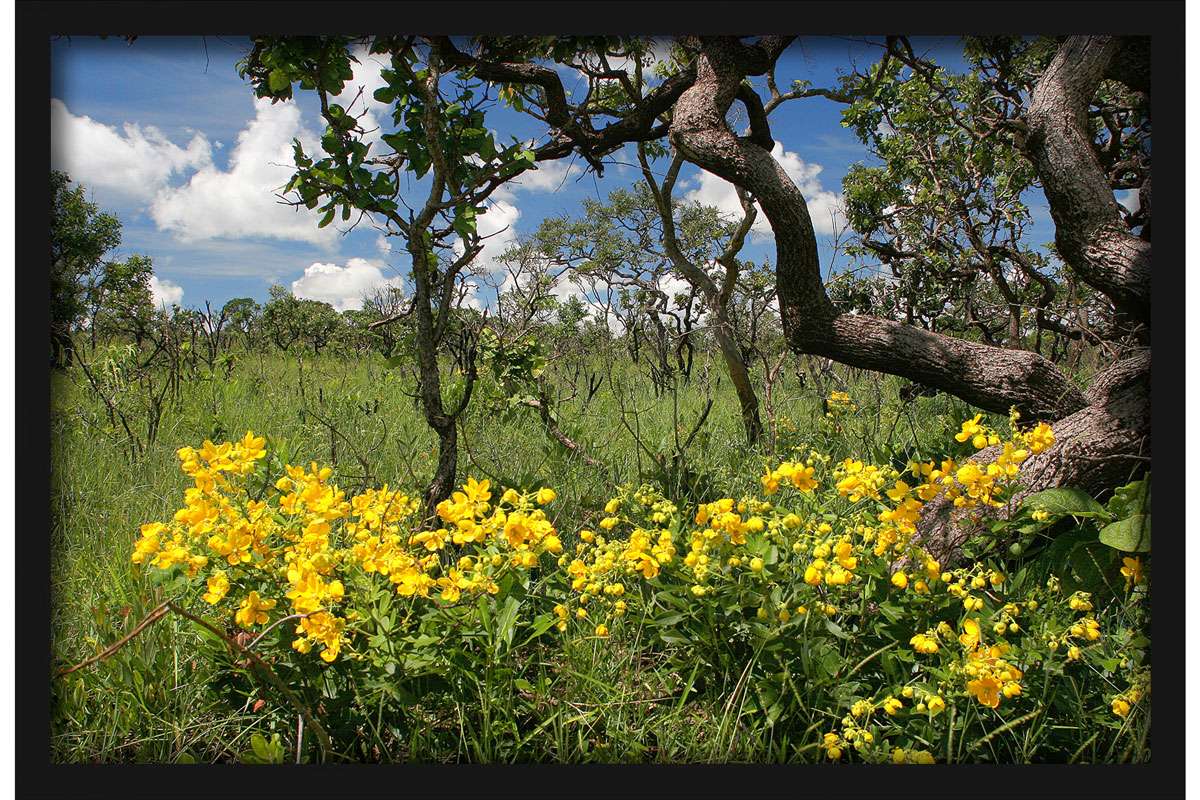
<point x="1103" y="445"/>
<point x="443" y="424"/>
<point x="1089" y="233"/>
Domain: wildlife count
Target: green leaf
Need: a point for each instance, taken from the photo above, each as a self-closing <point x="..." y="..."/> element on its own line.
<point x="506" y="622"/>
<point x="1132" y="498"/>
<point x="1065" y="500"/>
<point x="259" y="745"/>
<point x="278" y="81"/>
<point x="836" y="629"/>
<point x="541" y="624"/>
<point x="1131" y="534"/>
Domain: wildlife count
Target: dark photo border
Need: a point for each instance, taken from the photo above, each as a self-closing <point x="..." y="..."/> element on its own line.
<point x="36" y="22"/>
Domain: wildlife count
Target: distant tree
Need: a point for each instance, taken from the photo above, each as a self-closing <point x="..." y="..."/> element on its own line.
<point x="320" y="324"/>
<point x="282" y="319"/>
<point x="387" y="315"/>
<point x="118" y="299"/>
<point x="641" y="238"/>
<point x="244" y="316"/>
<point x="80" y="236"/>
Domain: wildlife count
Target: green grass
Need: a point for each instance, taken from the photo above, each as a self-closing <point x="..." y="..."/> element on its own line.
<point x="165" y="697"/>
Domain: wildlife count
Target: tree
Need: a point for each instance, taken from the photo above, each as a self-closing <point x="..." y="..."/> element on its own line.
<point x="1103" y="432"/>
<point x="320" y="324"/>
<point x="118" y="299"/>
<point x="282" y="318"/>
<point x="80" y="236"/>
<point x="642" y="237"/>
<point x="1077" y="158"/>
<point x="243" y="315"/>
<point x="287" y="319"/>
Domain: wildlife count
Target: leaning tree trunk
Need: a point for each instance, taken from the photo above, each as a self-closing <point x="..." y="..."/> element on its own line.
<point x="1102" y="434"/>
<point x="443" y="424"/>
<point x="739" y="375"/>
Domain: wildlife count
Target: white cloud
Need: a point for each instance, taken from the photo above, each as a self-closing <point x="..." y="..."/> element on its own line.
<point x="367" y="78"/>
<point x="241" y="201"/>
<point x="550" y="176"/>
<point x="472" y="297"/>
<point x="342" y="287"/>
<point x="164" y="293"/>
<point x="673" y="286"/>
<point x="130" y="164"/>
<point x="824" y="206"/>
<point x="498" y="223"/>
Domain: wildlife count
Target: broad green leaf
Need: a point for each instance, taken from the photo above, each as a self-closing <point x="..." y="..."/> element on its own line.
<point x="278" y="80"/>
<point x="1131" y="534"/>
<point x="1064" y="500"/>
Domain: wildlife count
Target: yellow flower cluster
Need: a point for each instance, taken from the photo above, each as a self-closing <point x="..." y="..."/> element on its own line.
<point x="800" y="476"/>
<point x="902" y="756"/>
<point x="601" y="565"/>
<point x="305" y="541"/>
<point x="988" y="675"/>
<point x="826" y="547"/>
<point x="1123" y="703"/>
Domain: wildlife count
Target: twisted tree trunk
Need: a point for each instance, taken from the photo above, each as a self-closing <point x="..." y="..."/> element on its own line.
<point x="1103" y="434"/>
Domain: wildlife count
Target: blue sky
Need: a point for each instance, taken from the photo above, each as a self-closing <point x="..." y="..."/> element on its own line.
<point x="167" y="136"/>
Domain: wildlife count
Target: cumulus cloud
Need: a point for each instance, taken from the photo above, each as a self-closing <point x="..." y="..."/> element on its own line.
<point x="550" y="176"/>
<point x="497" y="225"/>
<point x="358" y="95"/>
<point x="241" y="201"/>
<point x="164" y="293"/>
<point x="342" y="287"/>
<point x="129" y="164"/>
<point x="824" y="206"/>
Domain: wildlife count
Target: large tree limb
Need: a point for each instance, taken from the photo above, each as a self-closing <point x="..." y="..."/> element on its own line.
<point x="1105" y="444"/>
<point x="991" y="378"/>
<point x="1090" y="234"/>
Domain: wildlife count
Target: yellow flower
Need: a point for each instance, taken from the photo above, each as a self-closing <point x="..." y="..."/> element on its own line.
<point x="892" y="705"/>
<point x="936" y="705"/>
<point x="1041" y="515"/>
<point x="545" y="495"/>
<point x="923" y="643"/>
<point x="253" y="611"/>
<point x="1121" y="707"/>
<point x="218" y="587"/>
<point x="970" y="429"/>
<point x="970" y="637"/>
<point x="899" y="579"/>
<point x="756" y="565"/>
<point x="602" y="630"/>
<point x="986" y="691"/>
<point x="1040" y="438"/>
<point x="1132" y="570"/>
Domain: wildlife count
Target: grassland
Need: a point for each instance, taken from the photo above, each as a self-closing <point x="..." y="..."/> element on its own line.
<point x="171" y="695"/>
